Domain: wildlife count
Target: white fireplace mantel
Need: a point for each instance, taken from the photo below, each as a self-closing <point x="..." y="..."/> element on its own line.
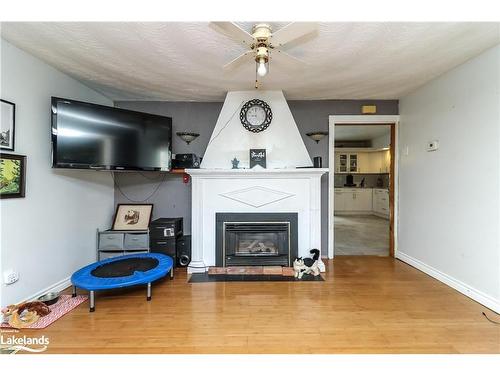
<point x="258" y="173"/>
<point x="253" y="190"/>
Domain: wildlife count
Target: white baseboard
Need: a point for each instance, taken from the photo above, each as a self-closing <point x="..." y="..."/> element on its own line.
<point x="56" y="287"/>
<point x="463" y="288"/>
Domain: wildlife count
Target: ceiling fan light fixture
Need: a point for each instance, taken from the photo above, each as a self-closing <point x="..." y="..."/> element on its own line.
<point x="262" y="59"/>
<point x="261" y="67"/>
<point x="262" y="41"/>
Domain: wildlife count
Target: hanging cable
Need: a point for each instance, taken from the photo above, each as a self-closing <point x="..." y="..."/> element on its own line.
<point x="134" y="200"/>
<point x="148" y="178"/>
<point x="489" y="319"/>
<point x="226" y="124"/>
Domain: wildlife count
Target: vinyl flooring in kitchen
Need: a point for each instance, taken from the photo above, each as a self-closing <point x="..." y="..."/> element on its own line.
<point x="361" y="235"/>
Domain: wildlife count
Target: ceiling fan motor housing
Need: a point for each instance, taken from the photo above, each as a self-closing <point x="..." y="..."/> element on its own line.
<point x="262" y="53"/>
<point x="261" y="31"/>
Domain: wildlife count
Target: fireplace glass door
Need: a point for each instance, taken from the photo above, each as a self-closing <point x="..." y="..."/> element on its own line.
<point x="256" y="243"/>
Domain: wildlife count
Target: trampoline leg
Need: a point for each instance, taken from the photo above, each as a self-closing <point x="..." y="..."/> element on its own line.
<point x="171" y="273"/>
<point x="149" y="292"/>
<point x="92" y="301"/>
<point x="74" y="291"/>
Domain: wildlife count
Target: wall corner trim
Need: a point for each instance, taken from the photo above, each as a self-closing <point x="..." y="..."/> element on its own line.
<point x="474" y="294"/>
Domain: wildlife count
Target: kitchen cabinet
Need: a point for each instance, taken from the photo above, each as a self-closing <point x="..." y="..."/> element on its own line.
<point x="381" y="202"/>
<point x="353" y="200"/>
<point x="363" y="162"/>
<point x="376" y="162"/>
<point x="340" y="198"/>
<point x="346" y="162"/>
<point x="362" y="200"/>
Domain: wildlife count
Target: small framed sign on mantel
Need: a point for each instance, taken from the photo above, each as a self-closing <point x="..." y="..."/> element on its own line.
<point x="258" y="157"/>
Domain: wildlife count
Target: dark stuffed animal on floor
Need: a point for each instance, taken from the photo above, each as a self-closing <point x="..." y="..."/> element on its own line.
<point x="25" y="314"/>
<point x="305" y="266"/>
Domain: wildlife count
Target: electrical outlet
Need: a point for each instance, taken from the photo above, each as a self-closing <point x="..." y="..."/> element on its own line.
<point x="10" y="277"/>
<point x="432" y="145"/>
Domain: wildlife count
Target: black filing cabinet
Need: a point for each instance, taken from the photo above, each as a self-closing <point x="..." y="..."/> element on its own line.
<point x="164" y="234"/>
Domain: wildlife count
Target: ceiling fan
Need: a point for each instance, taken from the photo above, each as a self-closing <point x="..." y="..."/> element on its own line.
<point x="265" y="45"/>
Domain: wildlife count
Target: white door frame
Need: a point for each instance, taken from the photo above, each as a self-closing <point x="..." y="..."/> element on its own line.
<point x="358" y="119"/>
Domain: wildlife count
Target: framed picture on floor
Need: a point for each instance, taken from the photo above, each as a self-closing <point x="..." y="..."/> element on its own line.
<point x="132" y="217"/>
<point x="12" y="176"/>
<point x="7" y="125"/>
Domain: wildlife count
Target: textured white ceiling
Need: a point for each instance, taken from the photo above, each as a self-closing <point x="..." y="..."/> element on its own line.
<point x="360" y="132"/>
<point x="183" y="61"/>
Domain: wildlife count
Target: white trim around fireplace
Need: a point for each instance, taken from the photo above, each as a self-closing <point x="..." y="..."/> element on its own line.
<point x="244" y="190"/>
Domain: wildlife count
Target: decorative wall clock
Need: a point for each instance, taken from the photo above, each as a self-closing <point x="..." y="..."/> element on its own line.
<point x="256" y="115"/>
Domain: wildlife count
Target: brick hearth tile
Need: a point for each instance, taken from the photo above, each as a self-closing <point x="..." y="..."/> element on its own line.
<point x="244" y="270"/>
<point x="272" y="270"/>
<point x="235" y="270"/>
<point x="216" y="270"/>
<point x="287" y="271"/>
<point x="255" y="270"/>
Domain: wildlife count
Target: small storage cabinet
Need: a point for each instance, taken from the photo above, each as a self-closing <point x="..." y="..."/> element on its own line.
<point x="111" y="243"/>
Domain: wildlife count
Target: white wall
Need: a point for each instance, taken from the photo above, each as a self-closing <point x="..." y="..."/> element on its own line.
<point x="51" y="233"/>
<point x="449" y="200"/>
<point x="382" y="141"/>
<point x="282" y="140"/>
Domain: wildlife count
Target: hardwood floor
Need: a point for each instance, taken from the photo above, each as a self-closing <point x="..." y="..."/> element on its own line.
<point x="366" y="305"/>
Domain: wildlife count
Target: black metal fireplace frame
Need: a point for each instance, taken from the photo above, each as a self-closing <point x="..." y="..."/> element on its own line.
<point x="243" y="217"/>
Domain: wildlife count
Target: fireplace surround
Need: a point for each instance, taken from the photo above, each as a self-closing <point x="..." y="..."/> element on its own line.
<point x="253" y="191"/>
<point x="256" y="239"/>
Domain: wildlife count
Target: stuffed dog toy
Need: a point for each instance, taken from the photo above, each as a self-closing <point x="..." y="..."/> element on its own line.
<point x="306" y="266"/>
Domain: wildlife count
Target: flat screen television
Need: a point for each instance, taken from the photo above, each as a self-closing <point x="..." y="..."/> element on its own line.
<point x="91" y="136"/>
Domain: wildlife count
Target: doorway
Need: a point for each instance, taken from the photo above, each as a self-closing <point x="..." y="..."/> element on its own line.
<point x="362" y="185"/>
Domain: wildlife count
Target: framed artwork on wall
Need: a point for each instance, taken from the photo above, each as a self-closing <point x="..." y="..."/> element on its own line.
<point x="132" y="216"/>
<point x="12" y="176"/>
<point x="7" y="125"/>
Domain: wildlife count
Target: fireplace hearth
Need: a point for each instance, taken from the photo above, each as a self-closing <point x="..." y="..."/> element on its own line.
<point x="256" y="239"/>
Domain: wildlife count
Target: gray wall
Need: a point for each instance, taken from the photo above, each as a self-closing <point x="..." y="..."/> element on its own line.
<point x="174" y="197"/>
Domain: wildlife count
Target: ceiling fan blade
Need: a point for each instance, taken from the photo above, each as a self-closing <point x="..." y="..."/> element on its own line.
<point x="233" y="31"/>
<point x="291" y="32"/>
<point x="243" y="58"/>
<point x="285" y="60"/>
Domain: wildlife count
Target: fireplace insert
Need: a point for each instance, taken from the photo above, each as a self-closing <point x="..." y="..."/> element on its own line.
<point x="257" y="239"/>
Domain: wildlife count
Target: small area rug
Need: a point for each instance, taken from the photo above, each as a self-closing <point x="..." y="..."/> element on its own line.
<point x="64" y="305"/>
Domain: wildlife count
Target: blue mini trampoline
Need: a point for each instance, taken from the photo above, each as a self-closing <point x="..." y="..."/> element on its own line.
<point x="122" y="272"/>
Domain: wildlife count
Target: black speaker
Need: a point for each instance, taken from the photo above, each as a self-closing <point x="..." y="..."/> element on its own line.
<point x="164" y="234"/>
<point x="186" y="161"/>
<point x="183" y="251"/>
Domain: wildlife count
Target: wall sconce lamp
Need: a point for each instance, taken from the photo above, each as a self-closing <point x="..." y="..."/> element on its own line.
<point x="317" y="136"/>
<point x="187" y="137"/>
